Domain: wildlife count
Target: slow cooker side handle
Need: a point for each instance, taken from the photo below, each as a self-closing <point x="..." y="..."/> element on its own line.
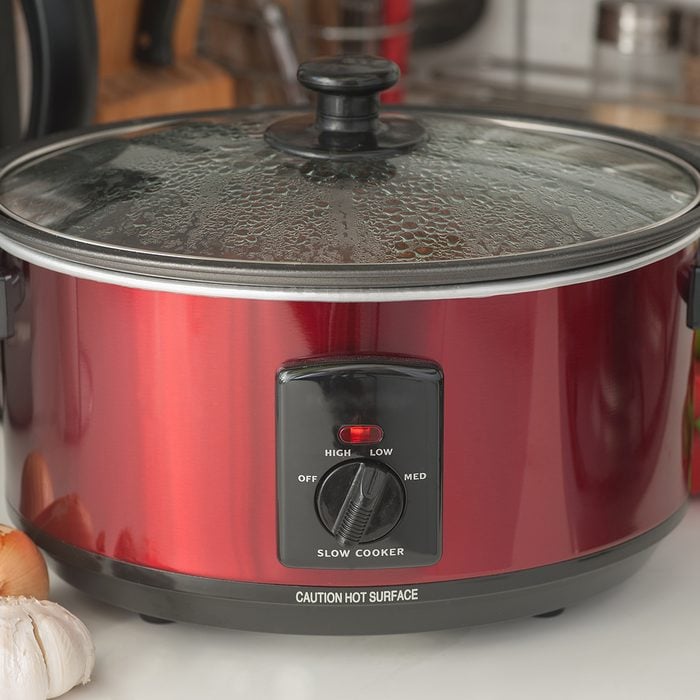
<point x="693" y="318"/>
<point x="11" y="296"/>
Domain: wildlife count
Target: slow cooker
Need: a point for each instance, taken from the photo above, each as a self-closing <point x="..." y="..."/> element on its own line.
<point x="351" y="372"/>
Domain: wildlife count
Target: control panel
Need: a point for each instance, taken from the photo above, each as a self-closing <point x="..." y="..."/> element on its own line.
<point x="359" y="464"/>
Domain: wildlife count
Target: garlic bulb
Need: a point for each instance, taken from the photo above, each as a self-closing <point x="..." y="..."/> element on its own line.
<point x="22" y="568"/>
<point x="44" y="650"/>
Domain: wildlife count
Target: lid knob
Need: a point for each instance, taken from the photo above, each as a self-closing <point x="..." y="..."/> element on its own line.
<point x="348" y="91"/>
<point x="347" y="124"/>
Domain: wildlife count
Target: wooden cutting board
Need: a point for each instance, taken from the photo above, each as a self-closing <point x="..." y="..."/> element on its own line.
<point x="129" y="89"/>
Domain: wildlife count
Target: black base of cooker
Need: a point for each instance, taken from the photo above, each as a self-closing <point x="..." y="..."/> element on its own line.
<point x="348" y="610"/>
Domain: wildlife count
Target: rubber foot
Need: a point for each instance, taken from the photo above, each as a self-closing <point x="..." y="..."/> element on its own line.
<point x="155" y="620"/>
<point x="551" y="613"/>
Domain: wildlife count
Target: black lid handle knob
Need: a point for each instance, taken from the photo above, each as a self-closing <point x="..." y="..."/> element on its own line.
<point x="348" y="74"/>
<point x="347" y="124"/>
<point x="348" y="90"/>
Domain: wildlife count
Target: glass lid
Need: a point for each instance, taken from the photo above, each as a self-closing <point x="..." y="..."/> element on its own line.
<point x="486" y="197"/>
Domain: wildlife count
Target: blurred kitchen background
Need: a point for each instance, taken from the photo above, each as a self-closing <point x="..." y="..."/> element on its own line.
<point x="64" y="63"/>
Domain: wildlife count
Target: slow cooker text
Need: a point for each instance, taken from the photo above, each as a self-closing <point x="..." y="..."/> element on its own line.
<point x="360" y="553"/>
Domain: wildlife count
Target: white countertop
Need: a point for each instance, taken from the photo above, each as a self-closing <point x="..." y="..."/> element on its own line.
<point x="639" y="641"/>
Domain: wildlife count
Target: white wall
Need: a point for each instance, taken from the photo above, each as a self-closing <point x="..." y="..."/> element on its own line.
<point x="561" y="32"/>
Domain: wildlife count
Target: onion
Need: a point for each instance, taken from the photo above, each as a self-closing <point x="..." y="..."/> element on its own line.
<point x="22" y="567"/>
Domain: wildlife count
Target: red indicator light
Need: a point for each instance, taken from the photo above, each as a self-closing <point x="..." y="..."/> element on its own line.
<point x="360" y="434"/>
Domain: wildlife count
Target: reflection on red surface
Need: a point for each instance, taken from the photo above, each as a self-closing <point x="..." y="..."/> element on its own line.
<point x="617" y="380"/>
<point x="37" y="489"/>
<point x="125" y="548"/>
<point x="695" y="423"/>
<point x="67" y="519"/>
<point x="563" y="426"/>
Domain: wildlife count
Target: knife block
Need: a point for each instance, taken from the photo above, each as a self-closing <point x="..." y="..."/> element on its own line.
<point x="129" y="89"/>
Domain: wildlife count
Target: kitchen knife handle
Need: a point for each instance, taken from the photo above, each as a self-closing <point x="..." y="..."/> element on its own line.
<point x="154" y="41"/>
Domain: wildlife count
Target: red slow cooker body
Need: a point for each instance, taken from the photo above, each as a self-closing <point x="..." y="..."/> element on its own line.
<point x="211" y="300"/>
<point x="143" y="426"/>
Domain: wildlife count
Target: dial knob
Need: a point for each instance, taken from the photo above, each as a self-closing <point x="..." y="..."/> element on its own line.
<point x="360" y="501"/>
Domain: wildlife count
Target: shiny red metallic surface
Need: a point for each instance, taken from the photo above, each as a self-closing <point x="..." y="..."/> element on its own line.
<point x="695" y="464"/>
<point x="146" y="421"/>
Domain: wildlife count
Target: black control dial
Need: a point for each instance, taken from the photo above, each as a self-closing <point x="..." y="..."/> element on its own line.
<point x="360" y="501"/>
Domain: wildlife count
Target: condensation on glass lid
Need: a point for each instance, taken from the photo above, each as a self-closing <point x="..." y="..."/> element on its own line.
<point x="213" y="189"/>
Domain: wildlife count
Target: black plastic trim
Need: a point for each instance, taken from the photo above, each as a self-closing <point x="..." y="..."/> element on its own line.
<point x="274" y="608"/>
<point x="399" y="275"/>
<point x="693" y="317"/>
<point x="12" y="291"/>
<point x="314" y="398"/>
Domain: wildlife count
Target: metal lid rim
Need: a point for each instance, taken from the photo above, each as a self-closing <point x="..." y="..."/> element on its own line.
<point x="337" y="294"/>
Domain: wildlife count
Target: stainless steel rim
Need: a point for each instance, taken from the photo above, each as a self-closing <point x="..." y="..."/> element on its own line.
<point x="467" y="291"/>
